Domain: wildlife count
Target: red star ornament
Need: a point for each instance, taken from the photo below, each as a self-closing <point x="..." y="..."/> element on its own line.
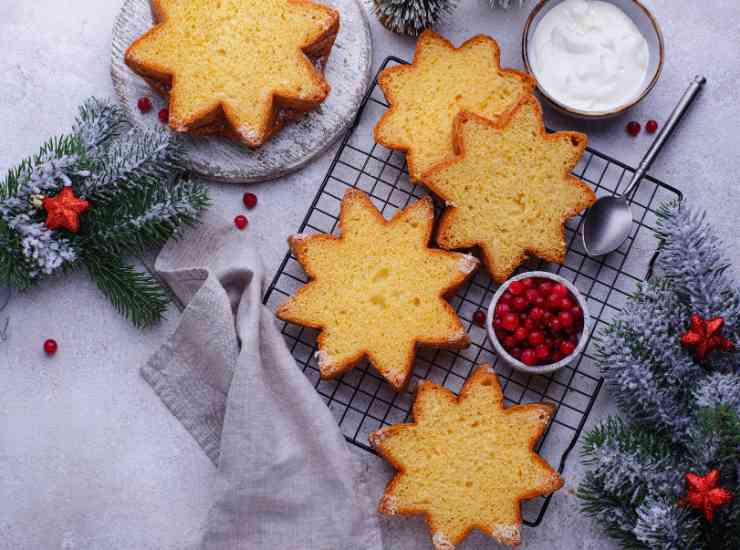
<point x="704" y="336"/>
<point x="63" y="210"/>
<point x="705" y="494"/>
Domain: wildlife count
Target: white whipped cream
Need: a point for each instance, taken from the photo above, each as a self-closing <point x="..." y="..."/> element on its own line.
<point x="589" y="55"/>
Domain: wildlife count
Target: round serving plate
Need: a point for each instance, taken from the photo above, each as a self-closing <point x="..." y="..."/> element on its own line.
<point x="219" y="159"/>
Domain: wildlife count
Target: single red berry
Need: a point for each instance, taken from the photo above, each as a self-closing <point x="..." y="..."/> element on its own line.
<point x="545" y="287"/>
<point x="531" y="294"/>
<point x="516" y="353"/>
<point x="509" y="342"/>
<point x="567" y="347"/>
<point x="519" y="303"/>
<point x="547" y="318"/>
<point x="556" y="356"/>
<point x="502" y="309"/>
<point x="566" y="319"/>
<point x="510" y="322"/>
<point x="553" y="302"/>
<point x="164" y="116"/>
<point x="633" y="128"/>
<point x="529" y="357"/>
<point x="566" y="304"/>
<point x="144" y="104"/>
<point x="536" y="313"/>
<point x="516" y="288"/>
<point x="539" y="302"/>
<point x="479" y="318"/>
<point x="555" y="325"/>
<point x="50" y="347"/>
<point x="497" y="324"/>
<point x="241" y="222"/>
<point x="521" y="334"/>
<point x="527" y="283"/>
<point x="542" y="352"/>
<point x="536" y="338"/>
<point x="529" y="323"/>
<point x="506" y="297"/>
<point x="577" y="313"/>
<point x="250" y="200"/>
<point x="651" y="126"/>
<point x="560" y="290"/>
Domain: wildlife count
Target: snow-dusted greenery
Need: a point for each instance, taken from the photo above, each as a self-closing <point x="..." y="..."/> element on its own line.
<point x="506" y="4"/>
<point x="412" y="17"/>
<point x="679" y="415"/>
<point x="139" y="194"/>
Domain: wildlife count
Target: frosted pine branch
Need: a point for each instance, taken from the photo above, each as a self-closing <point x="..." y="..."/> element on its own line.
<point x="692" y="257"/>
<point x="412" y="17"/>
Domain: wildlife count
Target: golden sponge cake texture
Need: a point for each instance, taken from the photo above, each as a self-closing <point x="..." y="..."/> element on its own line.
<point x="466" y="462"/>
<point x="378" y="290"/>
<point x="426" y="96"/>
<point x="510" y="189"/>
<point x="232" y="66"/>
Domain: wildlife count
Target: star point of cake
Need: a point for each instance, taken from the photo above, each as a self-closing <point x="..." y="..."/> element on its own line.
<point x="511" y="188"/>
<point x="235" y="62"/>
<point x="377" y="290"/>
<point x="466" y="462"/>
<point x="442" y="81"/>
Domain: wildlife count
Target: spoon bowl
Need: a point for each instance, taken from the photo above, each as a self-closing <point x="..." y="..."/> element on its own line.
<point x="607" y="225"/>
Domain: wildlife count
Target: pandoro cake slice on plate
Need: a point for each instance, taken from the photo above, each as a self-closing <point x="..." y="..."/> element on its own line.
<point x="232" y="67"/>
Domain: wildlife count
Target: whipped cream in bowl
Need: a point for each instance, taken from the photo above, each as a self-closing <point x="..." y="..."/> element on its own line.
<point x="593" y="58"/>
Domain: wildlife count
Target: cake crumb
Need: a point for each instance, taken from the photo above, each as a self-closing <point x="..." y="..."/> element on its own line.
<point x="441" y="542"/>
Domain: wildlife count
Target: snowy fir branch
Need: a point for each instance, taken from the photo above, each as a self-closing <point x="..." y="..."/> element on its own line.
<point x="680" y="414"/>
<point x="138" y="196"/>
<point x="412" y="17"/>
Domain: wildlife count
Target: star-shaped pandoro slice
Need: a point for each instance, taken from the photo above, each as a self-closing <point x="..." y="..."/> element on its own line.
<point x="510" y="189"/>
<point x="378" y="290"/>
<point x="427" y="95"/>
<point x="233" y="65"/>
<point x="466" y="462"/>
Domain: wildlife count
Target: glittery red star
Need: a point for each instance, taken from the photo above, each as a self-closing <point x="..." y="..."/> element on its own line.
<point x="705" y="494"/>
<point x="705" y="336"/>
<point x="64" y="210"/>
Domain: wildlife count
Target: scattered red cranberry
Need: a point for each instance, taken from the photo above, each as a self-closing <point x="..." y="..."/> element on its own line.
<point x="633" y="128"/>
<point x="241" y="222"/>
<point x="144" y="104"/>
<point x="50" y="347"/>
<point x="164" y="116"/>
<point x="250" y="200"/>
<point x="479" y="318"/>
<point x="538" y="321"/>
<point x="651" y="126"/>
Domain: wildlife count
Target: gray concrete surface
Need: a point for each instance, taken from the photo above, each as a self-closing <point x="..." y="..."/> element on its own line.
<point x="89" y="457"/>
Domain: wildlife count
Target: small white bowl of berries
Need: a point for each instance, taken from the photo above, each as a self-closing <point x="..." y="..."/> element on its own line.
<point x="538" y="322"/>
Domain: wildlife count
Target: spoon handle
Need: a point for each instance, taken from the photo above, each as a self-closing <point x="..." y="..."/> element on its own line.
<point x="665" y="133"/>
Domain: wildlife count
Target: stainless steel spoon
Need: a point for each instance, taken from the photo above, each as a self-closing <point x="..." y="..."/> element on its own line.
<point x="608" y="222"/>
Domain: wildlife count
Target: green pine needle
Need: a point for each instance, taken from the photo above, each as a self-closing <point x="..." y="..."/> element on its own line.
<point x="136" y="295"/>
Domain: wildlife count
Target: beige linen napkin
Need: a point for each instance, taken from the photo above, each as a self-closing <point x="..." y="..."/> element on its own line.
<point x="285" y="472"/>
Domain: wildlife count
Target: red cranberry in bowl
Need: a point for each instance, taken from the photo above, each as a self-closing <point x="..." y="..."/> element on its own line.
<point x="537" y="322"/>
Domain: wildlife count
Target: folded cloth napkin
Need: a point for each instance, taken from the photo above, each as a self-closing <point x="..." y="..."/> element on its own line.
<point x="286" y="475"/>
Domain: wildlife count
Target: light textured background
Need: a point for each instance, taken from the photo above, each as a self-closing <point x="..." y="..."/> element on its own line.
<point x="89" y="457"/>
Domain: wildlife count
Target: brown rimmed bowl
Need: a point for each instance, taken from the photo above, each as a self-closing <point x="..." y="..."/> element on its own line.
<point x="647" y="25"/>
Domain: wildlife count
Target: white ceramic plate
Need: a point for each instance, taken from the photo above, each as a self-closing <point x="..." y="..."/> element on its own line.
<point x="348" y="72"/>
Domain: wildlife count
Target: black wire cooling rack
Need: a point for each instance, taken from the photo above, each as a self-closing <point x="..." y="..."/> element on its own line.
<point x="362" y="402"/>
